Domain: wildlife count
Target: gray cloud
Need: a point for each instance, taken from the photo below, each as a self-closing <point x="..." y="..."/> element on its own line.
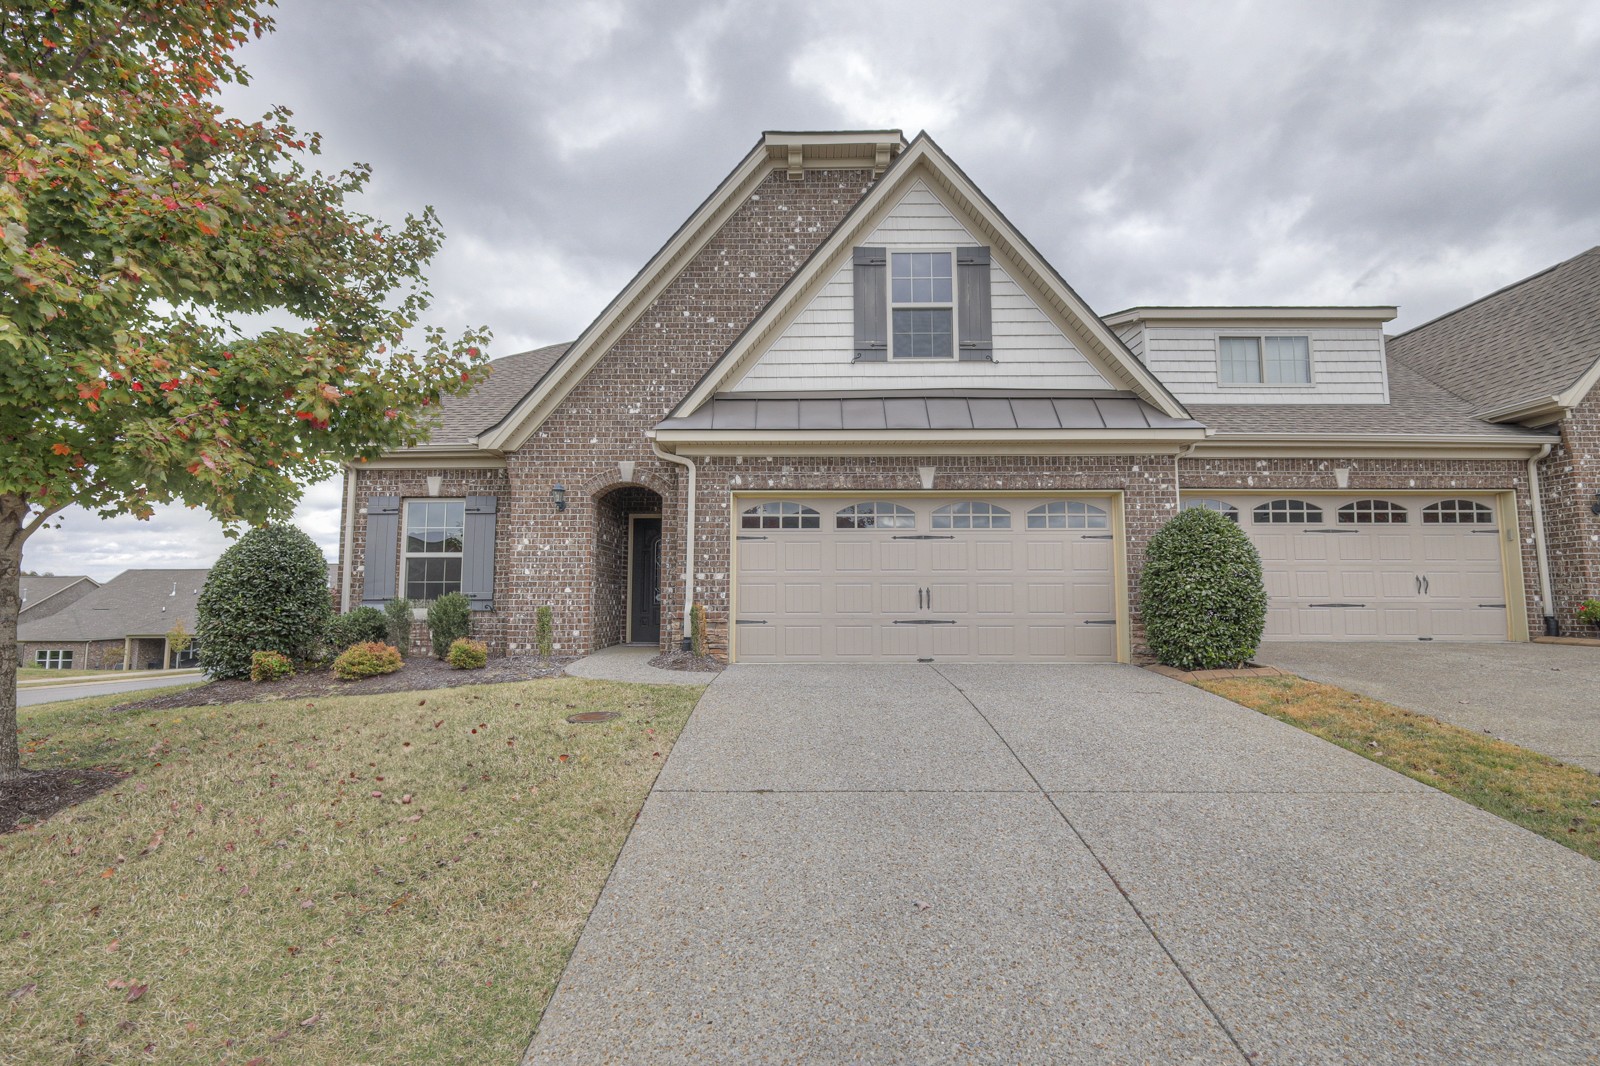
<point x="1250" y="152"/>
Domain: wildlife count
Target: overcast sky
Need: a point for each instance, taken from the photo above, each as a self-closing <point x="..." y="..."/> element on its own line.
<point x="1418" y="153"/>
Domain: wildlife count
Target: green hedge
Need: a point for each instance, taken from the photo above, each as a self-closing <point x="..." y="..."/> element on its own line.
<point x="268" y="592"/>
<point x="1201" y="593"/>
<point x="449" y="619"/>
<point x="360" y="626"/>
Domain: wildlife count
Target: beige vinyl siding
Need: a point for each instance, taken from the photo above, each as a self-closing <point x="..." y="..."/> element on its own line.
<point x="1347" y="366"/>
<point x="816" y="351"/>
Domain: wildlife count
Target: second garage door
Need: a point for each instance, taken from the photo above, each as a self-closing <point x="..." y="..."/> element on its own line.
<point x="1374" y="567"/>
<point x="908" y="579"/>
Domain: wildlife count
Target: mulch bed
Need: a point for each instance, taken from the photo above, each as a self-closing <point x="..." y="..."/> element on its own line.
<point x="682" y="660"/>
<point x="419" y="673"/>
<point x="38" y="794"/>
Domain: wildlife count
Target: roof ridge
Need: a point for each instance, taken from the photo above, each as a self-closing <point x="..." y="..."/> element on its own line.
<point x="1502" y="289"/>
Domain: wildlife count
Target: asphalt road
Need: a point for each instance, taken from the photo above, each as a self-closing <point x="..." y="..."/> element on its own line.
<point x="27" y="696"/>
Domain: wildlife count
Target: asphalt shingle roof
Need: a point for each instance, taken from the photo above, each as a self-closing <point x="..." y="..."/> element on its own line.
<point x="510" y="378"/>
<point x="1525" y="342"/>
<point x="134" y="603"/>
<point x="35" y="590"/>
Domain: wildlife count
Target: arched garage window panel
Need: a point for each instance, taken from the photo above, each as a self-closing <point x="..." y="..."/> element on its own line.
<point x="1372" y="513"/>
<point x="875" y="514"/>
<point x="780" y="514"/>
<point x="1068" y="514"/>
<point x="1457" y="513"/>
<point x="1287" y="512"/>
<point x="1223" y="508"/>
<point x="971" y="514"/>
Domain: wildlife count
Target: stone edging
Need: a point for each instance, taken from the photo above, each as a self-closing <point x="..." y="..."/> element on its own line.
<point x="1191" y="676"/>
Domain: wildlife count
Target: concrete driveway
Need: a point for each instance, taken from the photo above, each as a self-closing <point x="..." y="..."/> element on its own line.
<point x="909" y="864"/>
<point x="1541" y="696"/>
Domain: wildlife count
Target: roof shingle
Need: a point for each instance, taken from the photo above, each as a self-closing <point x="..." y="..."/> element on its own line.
<point x="511" y="377"/>
<point x="134" y="603"/>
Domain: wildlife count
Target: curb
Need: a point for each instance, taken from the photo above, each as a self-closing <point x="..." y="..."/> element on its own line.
<point x="1189" y="677"/>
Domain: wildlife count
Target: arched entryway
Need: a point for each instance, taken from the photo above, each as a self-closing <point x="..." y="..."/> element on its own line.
<point x="627" y="570"/>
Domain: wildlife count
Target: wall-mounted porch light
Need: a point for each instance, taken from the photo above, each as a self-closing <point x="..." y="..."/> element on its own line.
<point x="1594" y="508"/>
<point x="558" y="496"/>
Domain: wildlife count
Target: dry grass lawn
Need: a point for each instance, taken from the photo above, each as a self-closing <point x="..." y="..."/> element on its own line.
<point x="369" y="879"/>
<point x="1549" y="797"/>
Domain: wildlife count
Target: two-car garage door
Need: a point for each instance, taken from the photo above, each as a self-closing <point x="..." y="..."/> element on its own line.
<point x="1376" y="567"/>
<point x="909" y="579"/>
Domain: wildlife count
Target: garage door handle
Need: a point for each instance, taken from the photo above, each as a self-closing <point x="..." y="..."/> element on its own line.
<point x="1096" y="536"/>
<point x="749" y="621"/>
<point x="1425" y="586"/>
<point x="924" y="621"/>
<point x="745" y="536"/>
<point x="1335" y="605"/>
<point x="1101" y="622"/>
<point x="1419" y="583"/>
<point x="1499" y="605"/>
<point x="1330" y="531"/>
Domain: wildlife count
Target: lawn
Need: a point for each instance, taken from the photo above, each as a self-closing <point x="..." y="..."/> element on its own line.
<point x="39" y="673"/>
<point x="1549" y="797"/>
<point x="364" y="879"/>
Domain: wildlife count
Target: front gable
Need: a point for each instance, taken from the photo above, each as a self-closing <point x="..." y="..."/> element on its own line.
<point x="1044" y="336"/>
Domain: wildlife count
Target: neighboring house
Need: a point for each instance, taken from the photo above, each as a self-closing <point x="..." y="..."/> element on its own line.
<point x="121" y="625"/>
<point x="851" y="413"/>
<point x="44" y="596"/>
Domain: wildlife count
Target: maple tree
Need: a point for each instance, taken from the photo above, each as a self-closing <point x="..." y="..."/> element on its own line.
<point x="143" y="234"/>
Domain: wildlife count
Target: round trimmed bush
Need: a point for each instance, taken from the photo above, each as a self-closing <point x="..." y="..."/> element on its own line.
<point x="270" y="666"/>
<point x="1201" y="593"/>
<point x="449" y="619"/>
<point x="268" y="592"/>
<point x="367" y="660"/>
<point x="360" y="626"/>
<point x="467" y="654"/>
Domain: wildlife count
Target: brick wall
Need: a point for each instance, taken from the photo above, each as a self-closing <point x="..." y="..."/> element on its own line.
<point x="102" y="654"/>
<point x="1570" y="477"/>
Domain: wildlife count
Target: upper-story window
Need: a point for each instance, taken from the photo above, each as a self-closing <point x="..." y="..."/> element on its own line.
<point x="1267" y="359"/>
<point x="434" y="534"/>
<point x="922" y="305"/>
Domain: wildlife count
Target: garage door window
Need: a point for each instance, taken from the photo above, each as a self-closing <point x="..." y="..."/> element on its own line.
<point x="878" y="514"/>
<point x="780" y="514"/>
<point x="1372" y="513"/>
<point x="1226" y="510"/>
<point x="971" y="514"/>
<point x="1287" y="512"/>
<point x="1456" y="513"/>
<point x="1068" y="514"/>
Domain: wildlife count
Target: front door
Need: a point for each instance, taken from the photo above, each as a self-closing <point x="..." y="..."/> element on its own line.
<point x="644" y="586"/>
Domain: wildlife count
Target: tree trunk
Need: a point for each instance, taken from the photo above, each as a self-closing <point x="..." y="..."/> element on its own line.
<point x="13" y="513"/>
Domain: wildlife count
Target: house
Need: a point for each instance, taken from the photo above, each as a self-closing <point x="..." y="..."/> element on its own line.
<point x="850" y="413"/>
<point x="43" y="596"/>
<point x="121" y="625"/>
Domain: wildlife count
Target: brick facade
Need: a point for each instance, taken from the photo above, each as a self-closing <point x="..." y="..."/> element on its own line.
<point x="86" y="655"/>
<point x="1569" y="477"/>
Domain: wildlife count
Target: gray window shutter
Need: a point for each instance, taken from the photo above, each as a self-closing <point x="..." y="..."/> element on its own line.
<point x="383" y="540"/>
<point x="871" y="306"/>
<point x="477" y="553"/>
<point x="973" y="306"/>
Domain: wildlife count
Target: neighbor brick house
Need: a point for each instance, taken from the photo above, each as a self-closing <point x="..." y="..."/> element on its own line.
<point x="121" y="625"/>
<point x="851" y="412"/>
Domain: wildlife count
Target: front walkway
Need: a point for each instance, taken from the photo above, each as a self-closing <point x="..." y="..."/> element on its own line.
<point x="1047" y="864"/>
<point x="631" y="663"/>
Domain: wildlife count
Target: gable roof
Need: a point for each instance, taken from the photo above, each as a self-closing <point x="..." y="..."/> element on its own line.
<point x="462" y="419"/>
<point x="35" y="590"/>
<point x="134" y="603"/>
<point x="923" y="157"/>
<point x="839" y="150"/>
<point x="1532" y="347"/>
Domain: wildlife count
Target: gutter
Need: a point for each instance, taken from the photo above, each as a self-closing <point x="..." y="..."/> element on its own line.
<point x="1552" y="627"/>
<point x="688" y="542"/>
<point x="348" y="543"/>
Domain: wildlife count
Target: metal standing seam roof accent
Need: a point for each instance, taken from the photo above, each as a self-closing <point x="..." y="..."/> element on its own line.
<point x="900" y="412"/>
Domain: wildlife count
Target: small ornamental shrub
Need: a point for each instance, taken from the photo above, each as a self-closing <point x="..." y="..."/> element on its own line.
<point x="1201" y="593"/>
<point x="270" y="666"/>
<point x="397" y="612"/>
<point x="544" y="631"/>
<point x="360" y="626"/>
<point x="465" y="654"/>
<point x="697" y="631"/>
<point x="1589" y="612"/>
<point x="268" y="592"/>
<point x="366" y="660"/>
<point x="449" y="619"/>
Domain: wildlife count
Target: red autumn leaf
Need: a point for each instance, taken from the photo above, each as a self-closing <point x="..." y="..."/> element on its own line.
<point x="136" y="387"/>
<point x="136" y="991"/>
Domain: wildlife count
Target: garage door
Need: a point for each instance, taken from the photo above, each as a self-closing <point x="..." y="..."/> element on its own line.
<point x="1376" y="567"/>
<point x="913" y="579"/>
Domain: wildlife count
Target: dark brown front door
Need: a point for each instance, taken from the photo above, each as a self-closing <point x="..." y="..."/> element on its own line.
<point x="644" y="605"/>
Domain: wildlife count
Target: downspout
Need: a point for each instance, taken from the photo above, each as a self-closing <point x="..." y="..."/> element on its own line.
<point x="1552" y="627"/>
<point x="349" y="538"/>
<point x="1177" y="474"/>
<point x="688" y="542"/>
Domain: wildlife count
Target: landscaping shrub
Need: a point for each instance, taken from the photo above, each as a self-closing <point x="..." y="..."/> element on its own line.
<point x="449" y="619"/>
<point x="268" y="592"/>
<point x="697" y="631"/>
<point x="1589" y="612"/>
<point x="367" y="660"/>
<point x="360" y="626"/>
<point x="465" y="654"/>
<point x="1201" y="593"/>
<point x="397" y="612"/>
<point x="270" y="666"/>
<point x="544" y="631"/>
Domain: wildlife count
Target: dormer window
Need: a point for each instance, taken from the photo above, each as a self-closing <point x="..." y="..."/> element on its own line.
<point x="922" y="305"/>
<point x="1267" y="359"/>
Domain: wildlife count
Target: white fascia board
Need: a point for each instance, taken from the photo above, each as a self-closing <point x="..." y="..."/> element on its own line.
<point x="1462" y="446"/>
<point x="1149" y="315"/>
